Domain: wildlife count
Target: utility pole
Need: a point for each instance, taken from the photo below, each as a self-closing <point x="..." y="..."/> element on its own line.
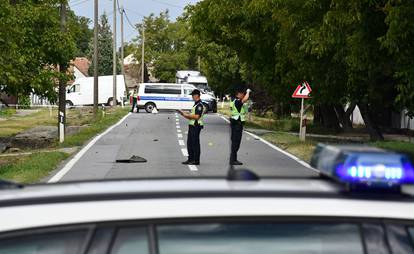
<point x="114" y="60"/>
<point x="62" y="82"/>
<point x="122" y="41"/>
<point x="143" y="54"/>
<point x="95" y="59"/>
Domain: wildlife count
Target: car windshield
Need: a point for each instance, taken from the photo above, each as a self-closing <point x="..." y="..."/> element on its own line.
<point x="108" y="94"/>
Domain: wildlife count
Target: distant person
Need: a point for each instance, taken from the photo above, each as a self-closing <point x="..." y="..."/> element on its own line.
<point x="134" y="100"/>
<point x="195" y="124"/>
<point x="239" y="111"/>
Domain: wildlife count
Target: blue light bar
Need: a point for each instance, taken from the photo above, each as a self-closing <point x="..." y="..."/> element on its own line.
<point x="363" y="165"/>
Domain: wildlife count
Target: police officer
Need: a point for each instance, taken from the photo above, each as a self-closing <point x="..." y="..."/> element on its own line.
<point x="134" y="98"/>
<point x="195" y="124"/>
<point x="239" y="110"/>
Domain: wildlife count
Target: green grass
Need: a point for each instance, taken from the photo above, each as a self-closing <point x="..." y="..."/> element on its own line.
<point x="97" y="125"/>
<point x="30" y="168"/>
<point x="397" y="146"/>
<point x="292" y="144"/>
<point x="13" y="125"/>
<point x="7" y="112"/>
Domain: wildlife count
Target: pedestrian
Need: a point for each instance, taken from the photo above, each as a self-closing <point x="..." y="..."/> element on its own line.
<point x="195" y="124"/>
<point x="134" y="101"/>
<point x="239" y="110"/>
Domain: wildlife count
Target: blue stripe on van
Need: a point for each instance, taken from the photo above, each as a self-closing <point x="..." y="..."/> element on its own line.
<point x="161" y="98"/>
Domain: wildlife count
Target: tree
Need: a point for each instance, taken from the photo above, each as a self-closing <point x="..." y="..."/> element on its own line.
<point x="105" y="47"/>
<point x="32" y="45"/>
<point x="353" y="52"/>
<point x="82" y="34"/>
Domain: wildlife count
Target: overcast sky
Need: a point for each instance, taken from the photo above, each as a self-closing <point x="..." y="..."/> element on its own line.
<point x="135" y="10"/>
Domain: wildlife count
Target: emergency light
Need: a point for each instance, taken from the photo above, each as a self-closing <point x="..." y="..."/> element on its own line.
<point x="363" y="165"/>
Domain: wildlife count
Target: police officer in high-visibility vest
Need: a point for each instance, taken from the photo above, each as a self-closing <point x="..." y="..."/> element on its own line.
<point x="239" y="111"/>
<point x="195" y="124"/>
<point x="134" y="100"/>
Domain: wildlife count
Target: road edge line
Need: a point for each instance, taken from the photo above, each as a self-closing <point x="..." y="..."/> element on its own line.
<point x="300" y="161"/>
<point x="68" y="166"/>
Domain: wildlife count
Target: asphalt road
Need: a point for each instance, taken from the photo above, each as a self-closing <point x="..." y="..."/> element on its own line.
<point x="161" y="140"/>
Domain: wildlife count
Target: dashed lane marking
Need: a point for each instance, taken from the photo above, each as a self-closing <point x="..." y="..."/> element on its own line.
<point x="193" y="167"/>
<point x="184" y="151"/>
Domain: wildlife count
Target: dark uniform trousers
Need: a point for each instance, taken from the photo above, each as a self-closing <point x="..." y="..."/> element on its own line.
<point x="236" y="136"/>
<point x="193" y="142"/>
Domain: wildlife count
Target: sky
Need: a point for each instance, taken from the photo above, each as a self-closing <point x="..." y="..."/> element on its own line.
<point x="135" y="10"/>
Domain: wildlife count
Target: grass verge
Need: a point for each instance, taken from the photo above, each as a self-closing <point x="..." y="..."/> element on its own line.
<point x="97" y="125"/>
<point x="30" y="168"/>
<point x="292" y="144"/>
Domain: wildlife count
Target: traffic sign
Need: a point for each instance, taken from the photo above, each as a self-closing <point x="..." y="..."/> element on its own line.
<point x="302" y="91"/>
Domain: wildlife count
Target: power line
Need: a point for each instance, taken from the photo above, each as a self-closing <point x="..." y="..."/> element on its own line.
<point x="168" y="4"/>
<point x="79" y="3"/>
<point x="135" y="12"/>
<point x="129" y="21"/>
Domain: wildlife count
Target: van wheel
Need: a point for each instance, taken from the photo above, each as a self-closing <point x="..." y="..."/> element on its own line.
<point x="110" y="102"/>
<point x="207" y="108"/>
<point x="69" y="104"/>
<point x="149" y="107"/>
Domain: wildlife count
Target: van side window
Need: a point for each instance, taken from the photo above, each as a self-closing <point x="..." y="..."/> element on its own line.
<point x="77" y="88"/>
<point x="163" y="89"/>
<point x="172" y="89"/>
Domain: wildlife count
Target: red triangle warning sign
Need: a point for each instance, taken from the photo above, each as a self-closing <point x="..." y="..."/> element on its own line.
<point x="302" y="91"/>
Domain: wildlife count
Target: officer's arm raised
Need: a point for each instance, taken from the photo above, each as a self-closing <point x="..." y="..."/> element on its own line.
<point x="246" y="96"/>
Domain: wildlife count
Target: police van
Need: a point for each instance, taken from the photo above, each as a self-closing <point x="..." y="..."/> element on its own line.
<point x="170" y="96"/>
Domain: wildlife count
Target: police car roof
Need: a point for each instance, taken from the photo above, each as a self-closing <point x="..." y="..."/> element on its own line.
<point x="178" y="188"/>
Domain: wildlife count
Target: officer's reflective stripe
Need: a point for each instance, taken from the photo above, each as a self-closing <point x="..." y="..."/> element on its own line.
<point x="200" y="121"/>
<point x="235" y="114"/>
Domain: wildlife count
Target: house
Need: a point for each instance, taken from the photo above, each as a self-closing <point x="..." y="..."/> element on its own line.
<point x="80" y="67"/>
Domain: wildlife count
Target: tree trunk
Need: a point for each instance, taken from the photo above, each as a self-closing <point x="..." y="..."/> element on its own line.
<point x="326" y="117"/>
<point x="373" y="129"/>
<point x="344" y="116"/>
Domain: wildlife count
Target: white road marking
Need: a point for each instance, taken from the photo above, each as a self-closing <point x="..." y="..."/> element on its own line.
<point x="184" y="151"/>
<point x="303" y="163"/>
<point x="72" y="162"/>
<point x="178" y="126"/>
<point x="181" y="142"/>
<point x="193" y="167"/>
<point x="180" y="135"/>
<point x="178" y="130"/>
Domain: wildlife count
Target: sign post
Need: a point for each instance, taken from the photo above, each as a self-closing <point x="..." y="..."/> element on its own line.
<point x="302" y="91"/>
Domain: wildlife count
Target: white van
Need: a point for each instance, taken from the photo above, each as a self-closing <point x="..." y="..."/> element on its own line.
<point x="170" y="96"/>
<point x="81" y="91"/>
<point x="182" y="76"/>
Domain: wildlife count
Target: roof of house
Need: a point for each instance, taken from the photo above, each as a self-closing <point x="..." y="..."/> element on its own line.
<point x="82" y="64"/>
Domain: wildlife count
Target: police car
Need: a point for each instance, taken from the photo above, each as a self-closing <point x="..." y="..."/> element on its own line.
<point x="362" y="203"/>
